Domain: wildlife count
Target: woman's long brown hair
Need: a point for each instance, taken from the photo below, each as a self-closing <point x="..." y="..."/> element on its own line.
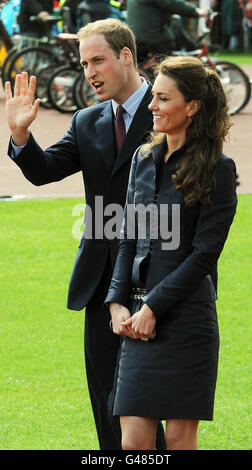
<point x="195" y="176"/>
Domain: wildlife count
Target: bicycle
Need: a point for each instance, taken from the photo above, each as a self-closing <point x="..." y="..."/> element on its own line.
<point x="84" y="93"/>
<point x="56" y="64"/>
<point x="44" y="60"/>
<point x="61" y="81"/>
<point x="30" y="54"/>
<point x="236" y="83"/>
<point x="68" y="90"/>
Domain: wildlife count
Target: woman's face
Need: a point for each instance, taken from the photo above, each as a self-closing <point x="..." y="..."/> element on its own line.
<point x="170" y="111"/>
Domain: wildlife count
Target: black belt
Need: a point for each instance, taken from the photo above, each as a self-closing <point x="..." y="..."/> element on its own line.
<point x="138" y="293"/>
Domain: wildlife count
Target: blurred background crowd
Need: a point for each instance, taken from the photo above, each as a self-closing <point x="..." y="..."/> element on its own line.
<point x="231" y="28"/>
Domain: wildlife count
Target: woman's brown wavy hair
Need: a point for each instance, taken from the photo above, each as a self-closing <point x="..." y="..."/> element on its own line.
<point x="195" y="176"/>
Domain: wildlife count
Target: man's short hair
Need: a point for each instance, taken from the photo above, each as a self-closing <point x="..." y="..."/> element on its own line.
<point x="117" y="34"/>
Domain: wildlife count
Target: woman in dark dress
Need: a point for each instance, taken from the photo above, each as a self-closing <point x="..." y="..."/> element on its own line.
<point x="182" y="192"/>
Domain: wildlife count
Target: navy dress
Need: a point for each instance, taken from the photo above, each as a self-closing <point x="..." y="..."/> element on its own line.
<point x="174" y="375"/>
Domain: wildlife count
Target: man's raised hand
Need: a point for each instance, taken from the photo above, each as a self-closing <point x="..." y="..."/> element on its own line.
<point x="21" y="109"/>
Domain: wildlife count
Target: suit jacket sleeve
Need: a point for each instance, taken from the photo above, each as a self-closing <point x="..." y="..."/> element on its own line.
<point x="179" y="7"/>
<point x="211" y="231"/>
<point x="55" y="163"/>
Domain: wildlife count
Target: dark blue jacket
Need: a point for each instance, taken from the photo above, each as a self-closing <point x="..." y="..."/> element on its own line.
<point x="89" y="147"/>
<point x="188" y="268"/>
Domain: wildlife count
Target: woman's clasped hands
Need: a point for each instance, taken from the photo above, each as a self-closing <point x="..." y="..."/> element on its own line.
<point x="141" y="325"/>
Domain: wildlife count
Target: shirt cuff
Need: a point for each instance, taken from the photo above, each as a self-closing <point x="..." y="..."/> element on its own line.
<point x="16" y="149"/>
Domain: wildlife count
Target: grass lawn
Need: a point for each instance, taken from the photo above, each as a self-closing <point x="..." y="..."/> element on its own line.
<point x="239" y="58"/>
<point x="44" y="398"/>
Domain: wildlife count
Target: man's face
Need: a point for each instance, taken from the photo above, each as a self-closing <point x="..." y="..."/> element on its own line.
<point x="106" y="73"/>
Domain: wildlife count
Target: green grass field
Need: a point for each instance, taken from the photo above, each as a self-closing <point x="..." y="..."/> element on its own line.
<point x="44" y="399"/>
<point x="239" y="58"/>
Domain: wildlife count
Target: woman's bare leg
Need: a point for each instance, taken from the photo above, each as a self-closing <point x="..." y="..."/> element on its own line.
<point x="181" y="434"/>
<point x="138" y="432"/>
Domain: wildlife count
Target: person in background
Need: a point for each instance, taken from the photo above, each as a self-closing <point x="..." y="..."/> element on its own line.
<point x="246" y="6"/>
<point x="156" y="27"/>
<point x="40" y="8"/>
<point x="98" y="9"/>
<point x="216" y="27"/>
<point x="232" y="31"/>
<point x="191" y="24"/>
<point x="165" y="276"/>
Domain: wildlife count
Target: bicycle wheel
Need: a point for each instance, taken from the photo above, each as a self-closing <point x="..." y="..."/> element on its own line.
<point x="78" y="98"/>
<point x="236" y="85"/>
<point x="31" y="60"/>
<point x="6" y="64"/>
<point x="3" y="53"/>
<point x="43" y="78"/>
<point x="87" y="93"/>
<point x="60" y="89"/>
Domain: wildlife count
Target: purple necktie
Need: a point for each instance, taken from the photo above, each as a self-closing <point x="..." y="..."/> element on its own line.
<point x="119" y="128"/>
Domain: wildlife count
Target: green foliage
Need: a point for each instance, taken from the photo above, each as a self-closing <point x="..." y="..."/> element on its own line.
<point x="44" y="398"/>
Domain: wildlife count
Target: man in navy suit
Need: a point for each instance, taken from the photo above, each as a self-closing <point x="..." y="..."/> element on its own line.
<point x="108" y="55"/>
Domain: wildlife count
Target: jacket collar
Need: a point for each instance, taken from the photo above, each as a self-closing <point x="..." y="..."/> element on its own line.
<point x="105" y="135"/>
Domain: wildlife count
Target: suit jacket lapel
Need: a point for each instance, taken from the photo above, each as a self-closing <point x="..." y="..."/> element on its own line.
<point x="105" y="139"/>
<point x="141" y="124"/>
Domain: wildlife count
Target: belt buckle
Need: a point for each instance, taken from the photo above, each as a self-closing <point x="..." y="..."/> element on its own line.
<point x="138" y="293"/>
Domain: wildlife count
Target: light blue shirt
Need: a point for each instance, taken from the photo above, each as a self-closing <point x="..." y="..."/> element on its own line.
<point x="130" y="106"/>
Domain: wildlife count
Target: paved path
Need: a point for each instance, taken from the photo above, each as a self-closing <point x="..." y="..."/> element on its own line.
<point x="50" y="125"/>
